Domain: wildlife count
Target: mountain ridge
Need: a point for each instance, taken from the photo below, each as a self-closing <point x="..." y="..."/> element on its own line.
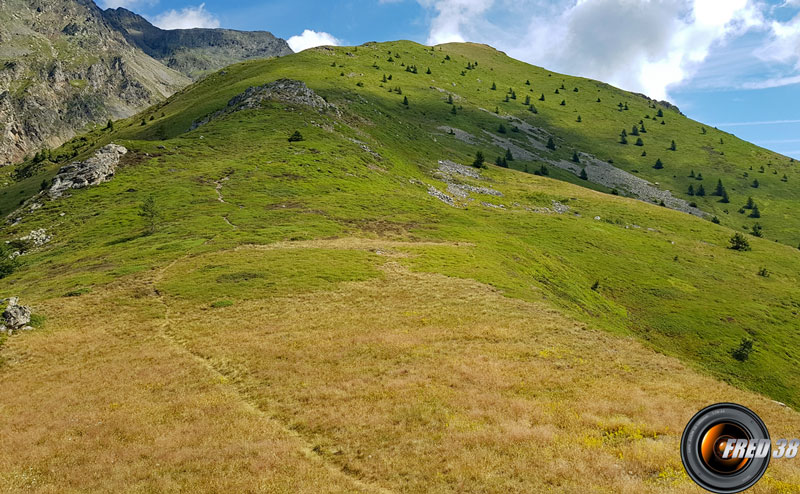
<point x="195" y="52"/>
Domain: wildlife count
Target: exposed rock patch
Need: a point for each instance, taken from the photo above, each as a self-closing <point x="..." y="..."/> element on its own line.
<point x="603" y="173"/>
<point x="453" y="168"/>
<point x="283" y="90"/>
<point x="15" y="317"/>
<point x="459" y="134"/>
<point x="95" y="170"/>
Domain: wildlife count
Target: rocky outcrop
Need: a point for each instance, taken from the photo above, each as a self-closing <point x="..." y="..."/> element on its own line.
<point x="15" y="317"/>
<point x="95" y="170"/>
<point x="283" y="90"/>
<point x="195" y="52"/>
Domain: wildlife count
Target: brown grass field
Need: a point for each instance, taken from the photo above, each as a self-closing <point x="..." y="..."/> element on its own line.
<point x="403" y="382"/>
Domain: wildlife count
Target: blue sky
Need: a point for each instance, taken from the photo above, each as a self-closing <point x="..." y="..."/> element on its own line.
<point x="734" y="64"/>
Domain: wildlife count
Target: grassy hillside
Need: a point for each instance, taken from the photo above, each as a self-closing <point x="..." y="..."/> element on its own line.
<point x="353" y="331"/>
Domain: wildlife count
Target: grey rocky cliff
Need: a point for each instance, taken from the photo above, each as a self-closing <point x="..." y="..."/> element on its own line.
<point x="64" y="67"/>
<point x="93" y="171"/>
<point x="195" y="52"/>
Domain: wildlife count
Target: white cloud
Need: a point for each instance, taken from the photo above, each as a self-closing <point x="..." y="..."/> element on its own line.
<point x="784" y="45"/>
<point x="640" y="45"/>
<point x="186" y="18"/>
<point x="310" y="39"/>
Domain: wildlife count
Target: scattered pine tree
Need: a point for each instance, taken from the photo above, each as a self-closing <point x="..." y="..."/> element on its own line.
<point x="739" y="242"/>
<point x="479" y="160"/>
<point x="659" y="165"/>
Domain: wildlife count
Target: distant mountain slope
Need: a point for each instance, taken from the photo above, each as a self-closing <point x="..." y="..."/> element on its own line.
<point x="195" y="52"/>
<point x="63" y="67"/>
<point x="65" y="64"/>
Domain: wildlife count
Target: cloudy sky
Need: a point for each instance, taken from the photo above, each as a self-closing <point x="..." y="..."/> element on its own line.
<point x="734" y="64"/>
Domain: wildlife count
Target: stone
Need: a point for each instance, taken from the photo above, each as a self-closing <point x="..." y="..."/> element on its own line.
<point x="95" y="170"/>
<point x="16" y="316"/>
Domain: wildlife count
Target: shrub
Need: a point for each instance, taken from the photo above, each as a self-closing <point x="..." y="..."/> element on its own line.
<point x="221" y="303"/>
<point x="756" y="231"/>
<point x="763" y="272"/>
<point x="296" y="136"/>
<point x="743" y="351"/>
<point x="715" y="220"/>
<point x="739" y="242"/>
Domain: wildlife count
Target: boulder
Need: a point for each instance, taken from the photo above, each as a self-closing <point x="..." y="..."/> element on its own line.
<point x="15" y="316"/>
<point x="95" y="170"/>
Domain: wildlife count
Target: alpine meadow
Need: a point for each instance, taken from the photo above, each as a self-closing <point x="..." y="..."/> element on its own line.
<point x="394" y="268"/>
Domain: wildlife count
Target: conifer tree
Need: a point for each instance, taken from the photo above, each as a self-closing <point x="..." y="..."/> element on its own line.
<point x="583" y="175"/>
<point x="691" y="190"/>
<point x="575" y="157"/>
<point x="720" y="189"/>
<point x="701" y="191"/>
<point x="551" y="144"/>
<point x="509" y="156"/>
<point x="639" y="141"/>
<point x="755" y="213"/>
<point x="494" y="87"/>
<point x="659" y="165"/>
<point x="673" y="147"/>
<point x="479" y="160"/>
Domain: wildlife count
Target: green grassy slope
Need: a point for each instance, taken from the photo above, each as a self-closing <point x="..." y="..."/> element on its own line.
<point x="664" y="276"/>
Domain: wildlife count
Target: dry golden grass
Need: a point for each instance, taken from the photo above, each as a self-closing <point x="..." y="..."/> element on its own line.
<point x="405" y="383"/>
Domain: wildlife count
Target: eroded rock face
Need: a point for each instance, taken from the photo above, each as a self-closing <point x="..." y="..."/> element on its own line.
<point x="95" y="170"/>
<point x="15" y="316"/>
<point x="283" y="90"/>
